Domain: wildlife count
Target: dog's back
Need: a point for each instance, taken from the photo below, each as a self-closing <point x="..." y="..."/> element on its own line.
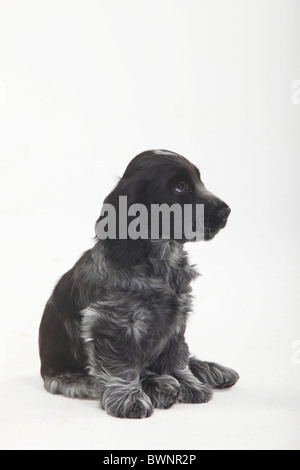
<point x="62" y="355"/>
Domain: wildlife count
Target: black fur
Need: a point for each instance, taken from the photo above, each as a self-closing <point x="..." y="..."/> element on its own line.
<point x="113" y="329"/>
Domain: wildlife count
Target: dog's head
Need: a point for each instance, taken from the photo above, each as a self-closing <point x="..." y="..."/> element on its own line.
<point x="159" y="178"/>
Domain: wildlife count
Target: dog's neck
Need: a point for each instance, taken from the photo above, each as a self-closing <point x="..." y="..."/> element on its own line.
<point x="166" y="249"/>
<point x="169" y="261"/>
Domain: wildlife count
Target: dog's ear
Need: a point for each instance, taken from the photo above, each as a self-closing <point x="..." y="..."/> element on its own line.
<point x="119" y="248"/>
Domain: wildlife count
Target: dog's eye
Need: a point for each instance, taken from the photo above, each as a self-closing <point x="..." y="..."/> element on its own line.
<point x="181" y="187"/>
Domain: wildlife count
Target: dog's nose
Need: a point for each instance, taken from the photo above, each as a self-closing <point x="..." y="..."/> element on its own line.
<point x="223" y="213"/>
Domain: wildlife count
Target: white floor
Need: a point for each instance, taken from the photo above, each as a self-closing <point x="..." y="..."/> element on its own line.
<point x="245" y="316"/>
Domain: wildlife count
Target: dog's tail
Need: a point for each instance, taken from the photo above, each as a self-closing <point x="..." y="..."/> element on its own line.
<point x="70" y="384"/>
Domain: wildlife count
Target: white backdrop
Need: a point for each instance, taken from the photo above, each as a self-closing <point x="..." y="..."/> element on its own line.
<point x="84" y="87"/>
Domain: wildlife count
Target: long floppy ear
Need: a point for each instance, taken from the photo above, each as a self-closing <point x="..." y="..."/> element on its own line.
<point x="122" y="250"/>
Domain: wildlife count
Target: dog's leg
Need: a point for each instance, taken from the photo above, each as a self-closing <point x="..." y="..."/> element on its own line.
<point x="113" y="362"/>
<point x="70" y="384"/>
<point x="163" y="390"/>
<point x="174" y="361"/>
<point x="117" y="385"/>
<point x="121" y="397"/>
<point x="215" y="375"/>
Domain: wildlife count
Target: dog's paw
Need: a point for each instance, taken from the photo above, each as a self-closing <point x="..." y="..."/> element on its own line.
<point x="213" y="374"/>
<point x="223" y="376"/>
<point x="134" y="405"/>
<point x="192" y="390"/>
<point x="200" y="393"/>
<point x="163" y="390"/>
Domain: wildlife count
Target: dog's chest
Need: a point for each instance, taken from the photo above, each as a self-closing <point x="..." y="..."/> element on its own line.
<point x="145" y="306"/>
<point x="170" y="298"/>
<point x="174" y="271"/>
<point x="164" y="306"/>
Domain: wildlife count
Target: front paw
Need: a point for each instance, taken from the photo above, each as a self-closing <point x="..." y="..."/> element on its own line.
<point x="213" y="374"/>
<point x="192" y="390"/>
<point x="163" y="390"/>
<point x="134" y="405"/>
<point x="195" y="394"/>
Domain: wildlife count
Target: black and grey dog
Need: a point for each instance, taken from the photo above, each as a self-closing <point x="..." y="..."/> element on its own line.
<point x="114" y="327"/>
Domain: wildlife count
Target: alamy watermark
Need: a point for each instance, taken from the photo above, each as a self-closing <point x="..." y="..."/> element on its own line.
<point x="161" y="221"/>
<point x="2" y="92"/>
<point x="296" y="353"/>
<point x="295" y="97"/>
<point x="2" y="353"/>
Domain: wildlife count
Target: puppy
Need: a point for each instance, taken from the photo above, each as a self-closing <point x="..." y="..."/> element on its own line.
<point x="113" y="328"/>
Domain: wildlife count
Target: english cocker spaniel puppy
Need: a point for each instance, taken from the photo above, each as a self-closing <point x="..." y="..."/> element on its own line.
<point x="113" y="328"/>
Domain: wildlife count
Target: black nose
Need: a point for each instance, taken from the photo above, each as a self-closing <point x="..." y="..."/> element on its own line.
<point x="223" y="213"/>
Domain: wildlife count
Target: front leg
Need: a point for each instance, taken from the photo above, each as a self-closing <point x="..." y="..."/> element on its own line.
<point x="215" y="375"/>
<point x="113" y="363"/>
<point x="123" y="397"/>
<point x="174" y="361"/>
